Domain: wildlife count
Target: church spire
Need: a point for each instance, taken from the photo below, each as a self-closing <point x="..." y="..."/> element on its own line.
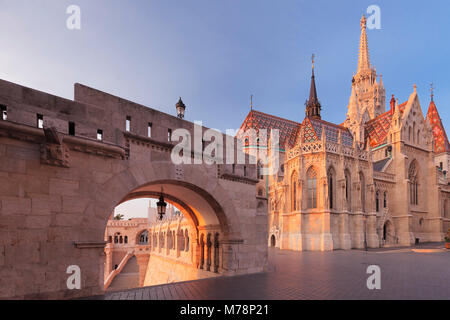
<point x="364" y="59"/>
<point x="313" y="106"/>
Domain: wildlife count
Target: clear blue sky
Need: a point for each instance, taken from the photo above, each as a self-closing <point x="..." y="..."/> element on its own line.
<point x="216" y="53"/>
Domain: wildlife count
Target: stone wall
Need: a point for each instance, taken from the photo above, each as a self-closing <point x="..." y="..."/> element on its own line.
<point x="57" y="191"/>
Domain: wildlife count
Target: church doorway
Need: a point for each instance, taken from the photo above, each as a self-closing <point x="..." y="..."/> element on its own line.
<point x="273" y="241"/>
<point x="388" y="233"/>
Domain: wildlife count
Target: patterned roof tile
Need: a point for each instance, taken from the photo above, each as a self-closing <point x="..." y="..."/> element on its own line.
<point x="441" y="143"/>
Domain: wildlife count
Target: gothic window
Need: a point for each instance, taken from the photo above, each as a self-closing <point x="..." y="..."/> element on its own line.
<point x="312" y="188"/>
<point x="331" y="188"/>
<point x="348" y="189"/>
<point x="385" y="200"/>
<point x="259" y="170"/>
<point x="414" y="132"/>
<point x="363" y="191"/>
<point x="418" y="137"/>
<point x="409" y="135"/>
<point x="413" y="184"/>
<point x="294" y="191"/>
<point x="377" y="201"/>
<point x="126" y="239"/>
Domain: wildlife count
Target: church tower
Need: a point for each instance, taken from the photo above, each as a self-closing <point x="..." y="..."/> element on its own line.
<point x="368" y="98"/>
<point x="313" y="106"/>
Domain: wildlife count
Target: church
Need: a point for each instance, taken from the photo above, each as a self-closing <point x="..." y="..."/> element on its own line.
<point x="378" y="179"/>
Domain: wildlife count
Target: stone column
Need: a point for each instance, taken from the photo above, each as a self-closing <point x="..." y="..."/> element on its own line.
<point x="108" y="260"/>
<point x="142" y="260"/>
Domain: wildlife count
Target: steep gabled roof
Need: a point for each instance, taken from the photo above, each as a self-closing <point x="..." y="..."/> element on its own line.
<point x="441" y="144"/>
<point x="378" y="128"/>
<point x="258" y="120"/>
<point x="313" y="130"/>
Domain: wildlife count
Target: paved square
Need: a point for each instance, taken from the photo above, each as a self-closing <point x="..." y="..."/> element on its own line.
<point x="407" y="273"/>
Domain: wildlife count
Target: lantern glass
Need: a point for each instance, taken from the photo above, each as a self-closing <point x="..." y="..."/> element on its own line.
<point x="180" y="111"/>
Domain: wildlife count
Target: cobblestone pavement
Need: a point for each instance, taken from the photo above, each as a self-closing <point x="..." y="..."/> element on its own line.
<point x="406" y="273"/>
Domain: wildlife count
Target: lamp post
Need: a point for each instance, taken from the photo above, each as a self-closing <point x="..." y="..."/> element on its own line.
<point x="162" y="206"/>
<point x="180" y="109"/>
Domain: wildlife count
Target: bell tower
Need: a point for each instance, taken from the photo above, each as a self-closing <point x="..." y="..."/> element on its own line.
<point x="370" y="93"/>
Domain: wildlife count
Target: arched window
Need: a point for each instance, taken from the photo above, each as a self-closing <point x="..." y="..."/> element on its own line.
<point x="126" y="239"/>
<point x="418" y="137"/>
<point x="409" y="135"/>
<point x="414" y="132"/>
<point x="312" y="188"/>
<point x="259" y="170"/>
<point x="385" y="200"/>
<point x="331" y="188"/>
<point x="120" y="239"/>
<point x="377" y="201"/>
<point x="143" y="237"/>
<point x="348" y="183"/>
<point x="413" y="184"/>
<point x="294" y="191"/>
<point x="363" y="191"/>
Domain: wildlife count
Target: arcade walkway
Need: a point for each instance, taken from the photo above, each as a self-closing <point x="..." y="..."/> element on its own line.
<point x="421" y="272"/>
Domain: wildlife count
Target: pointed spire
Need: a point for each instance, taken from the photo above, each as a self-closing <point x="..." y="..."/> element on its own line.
<point x="353" y="113"/>
<point x="432" y="91"/>
<point x="393" y="104"/>
<point x="313" y="106"/>
<point x="364" y="59"/>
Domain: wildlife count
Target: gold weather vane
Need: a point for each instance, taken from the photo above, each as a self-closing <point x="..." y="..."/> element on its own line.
<point x="313" y="59"/>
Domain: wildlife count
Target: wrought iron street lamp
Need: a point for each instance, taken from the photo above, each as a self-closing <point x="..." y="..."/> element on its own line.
<point x="162" y="206"/>
<point x="180" y="109"/>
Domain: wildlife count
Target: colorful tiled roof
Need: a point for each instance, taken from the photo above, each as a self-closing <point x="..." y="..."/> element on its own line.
<point x="378" y="128"/>
<point x="439" y="135"/>
<point x="331" y="131"/>
<point x="259" y="120"/>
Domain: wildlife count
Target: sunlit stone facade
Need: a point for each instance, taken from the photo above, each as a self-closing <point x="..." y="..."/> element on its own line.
<point x="378" y="179"/>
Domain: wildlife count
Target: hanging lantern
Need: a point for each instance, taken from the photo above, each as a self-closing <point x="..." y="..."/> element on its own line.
<point x="162" y="206"/>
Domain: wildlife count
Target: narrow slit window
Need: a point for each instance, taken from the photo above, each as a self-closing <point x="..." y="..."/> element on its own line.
<point x="128" y="124"/>
<point x="149" y="129"/>
<point x="71" y="128"/>
<point x="40" y="121"/>
<point x="169" y="135"/>
<point x="99" y="135"/>
<point x="4" y="112"/>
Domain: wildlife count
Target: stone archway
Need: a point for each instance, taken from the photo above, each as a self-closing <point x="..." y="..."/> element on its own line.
<point x="204" y="209"/>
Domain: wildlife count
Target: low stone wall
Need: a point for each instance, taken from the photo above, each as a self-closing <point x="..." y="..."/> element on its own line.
<point x="163" y="270"/>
